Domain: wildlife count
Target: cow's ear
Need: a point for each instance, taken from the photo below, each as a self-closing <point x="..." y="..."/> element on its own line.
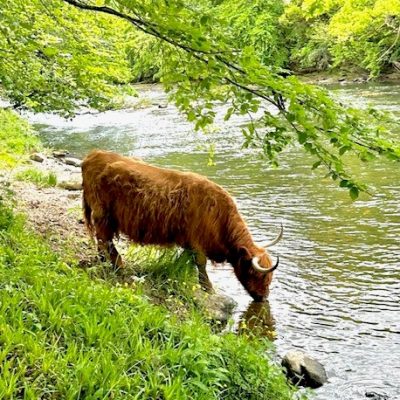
<point x="243" y="252"/>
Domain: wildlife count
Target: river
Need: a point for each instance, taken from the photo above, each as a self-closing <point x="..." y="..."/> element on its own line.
<point x="336" y="294"/>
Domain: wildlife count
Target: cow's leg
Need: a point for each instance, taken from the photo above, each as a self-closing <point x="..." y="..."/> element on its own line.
<point x="101" y="249"/>
<point x="115" y="257"/>
<point x="201" y="260"/>
<point x="105" y="245"/>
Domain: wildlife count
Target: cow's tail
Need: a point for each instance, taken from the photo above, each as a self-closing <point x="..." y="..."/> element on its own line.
<point x="87" y="214"/>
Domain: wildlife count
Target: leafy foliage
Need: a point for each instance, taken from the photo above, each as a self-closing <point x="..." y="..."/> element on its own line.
<point x="361" y="33"/>
<point x="53" y="58"/>
<point x="205" y="66"/>
<point x="256" y="24"/>
<point x="16" y="139"/>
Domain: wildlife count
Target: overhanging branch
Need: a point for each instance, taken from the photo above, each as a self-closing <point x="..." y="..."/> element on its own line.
<point x="201" y="55"/>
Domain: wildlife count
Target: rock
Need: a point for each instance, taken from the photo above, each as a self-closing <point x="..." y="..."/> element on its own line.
<point x="73" y="161"/>
<point x="38" y="157"/>
<point x="360" y="79"/>
<point x="303" y="370"/>
<point x="218" y="306"/>
<point x="73" y="196"/>
<point x="376" y="396"/>
<point x="60" y="153"/>
<point x="70" y="185"/>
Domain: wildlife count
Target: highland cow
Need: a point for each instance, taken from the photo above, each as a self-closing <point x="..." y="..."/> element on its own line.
<point x="165" y="207"/>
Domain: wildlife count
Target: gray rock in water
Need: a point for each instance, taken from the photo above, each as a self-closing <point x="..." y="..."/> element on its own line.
<point x="376" y="396"/>
<point x="38" y="157"/>
<point x="303" y="370"/>
<point x="73" y="161"/>
<point x="70" y="185"/>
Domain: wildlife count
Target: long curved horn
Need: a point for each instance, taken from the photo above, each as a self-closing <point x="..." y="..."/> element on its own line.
<point x="276" y="240"/>
<point x="258" y="268"/>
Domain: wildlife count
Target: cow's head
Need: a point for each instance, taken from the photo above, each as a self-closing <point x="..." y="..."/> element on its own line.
<point x="254" y="269"/>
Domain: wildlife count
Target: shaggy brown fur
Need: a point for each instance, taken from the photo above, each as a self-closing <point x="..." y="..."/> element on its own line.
<point x="153" y="205"/>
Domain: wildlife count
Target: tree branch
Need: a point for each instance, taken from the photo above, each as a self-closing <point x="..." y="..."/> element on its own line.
<point x="144" y="26"/>
<point x="150" y="29"/>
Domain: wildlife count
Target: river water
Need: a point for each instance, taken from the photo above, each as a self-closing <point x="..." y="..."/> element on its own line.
<point x="336" y="294"/>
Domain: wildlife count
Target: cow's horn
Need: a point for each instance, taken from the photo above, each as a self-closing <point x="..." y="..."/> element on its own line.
<point x="258" y="268"/>
<point x="276" y="240"/>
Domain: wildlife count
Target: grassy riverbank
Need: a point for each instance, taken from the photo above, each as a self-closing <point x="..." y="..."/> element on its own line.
<point x="69" y="333"/>
<point x="16" y="139"/>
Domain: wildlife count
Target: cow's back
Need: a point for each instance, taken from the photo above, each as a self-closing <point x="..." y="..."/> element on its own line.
<point x="155" y="205"/>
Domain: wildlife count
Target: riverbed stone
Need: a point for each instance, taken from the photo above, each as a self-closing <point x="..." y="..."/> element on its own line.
<point x="70" y="185"/>
<point x="303" y="370"/>
<point x="60" y="153"/>
<point x="75" y="162"/>
<point x="38" y="157"/>
<point x="73" y="196"/>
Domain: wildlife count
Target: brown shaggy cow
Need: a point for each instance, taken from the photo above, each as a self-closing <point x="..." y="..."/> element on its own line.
<point x="165" y="207"/>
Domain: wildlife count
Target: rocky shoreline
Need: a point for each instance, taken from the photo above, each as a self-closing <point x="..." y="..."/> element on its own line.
<point x="54" y="212"/>
<point x="346" y="78"/>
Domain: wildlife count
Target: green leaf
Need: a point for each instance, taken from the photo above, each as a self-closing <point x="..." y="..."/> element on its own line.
<point x="204" y="19"/>
<point x="354" y="192"/>
<point x="316" y="164"/>
<point x="302" y="137"/>
<point x="50" y="51"/>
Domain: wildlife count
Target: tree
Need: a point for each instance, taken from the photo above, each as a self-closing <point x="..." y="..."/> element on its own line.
<point x="53" y="57"/>
<point x="201" y="63"/>
<point x="361" y="33"/>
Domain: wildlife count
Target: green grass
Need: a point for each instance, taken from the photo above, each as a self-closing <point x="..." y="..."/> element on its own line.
<point x="16" y="139"/>
<point x="66" y="335"/>
<point x="37" y="177"/>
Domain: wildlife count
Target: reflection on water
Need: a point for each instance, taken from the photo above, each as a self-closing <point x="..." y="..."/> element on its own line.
<point x="257" y="320"/>
<point x="336" y="293"/>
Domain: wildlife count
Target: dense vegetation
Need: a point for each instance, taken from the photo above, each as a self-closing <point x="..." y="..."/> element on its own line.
<point x="16" y="139"/>
<point x="344" y="33"/>
<point x="53" y="60"/>
<point x="60" y="57"/>
<point x="65" y="336"/>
